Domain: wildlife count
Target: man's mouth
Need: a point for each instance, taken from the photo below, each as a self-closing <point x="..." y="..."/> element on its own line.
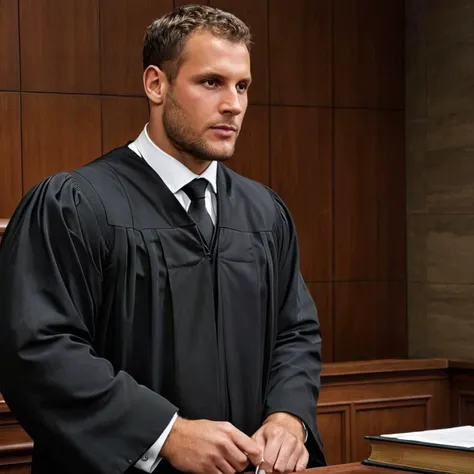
<point x="225" y="127"/>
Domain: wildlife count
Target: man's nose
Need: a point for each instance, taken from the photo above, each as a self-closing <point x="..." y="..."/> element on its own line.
<point x="231" y="103"/>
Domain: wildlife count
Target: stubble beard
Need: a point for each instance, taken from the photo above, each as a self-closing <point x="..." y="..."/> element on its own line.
<point x="183" y="137"/>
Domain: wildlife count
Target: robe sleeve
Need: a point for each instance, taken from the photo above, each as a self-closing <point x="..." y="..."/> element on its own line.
<point x="88" y="417"/>
<point x="294" y="381"/>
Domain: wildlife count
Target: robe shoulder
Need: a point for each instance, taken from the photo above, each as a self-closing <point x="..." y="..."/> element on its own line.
<point x="133" y="195"/>
<point x="59" y="200"/>
<point x="253" y="201"/>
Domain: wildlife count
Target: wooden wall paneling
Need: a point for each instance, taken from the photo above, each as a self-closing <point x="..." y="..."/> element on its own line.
<point x="60" y="132"/>
<point x="300" y="52"/>
<point x="369" y="53"/>
<point x="181" y="3"/>
<point x="396" y="415"/>
<point x="462" y="393"/>
<point x="255" y="14"/>
<point x="322" y="294"/>
<point x="370" y="320"/>
<point x="123" y="119"/>
<point x="9" y="46"/>
<point x="10" y="152"/>
<point x="15" y="469"/>
<point x="391" y="198"/>
<point x="369" y="195"/>
<point x="466" y="407"/>
<point x="334" y="426"/>
<point x="123" y="25"/>
<point x="301" y="173"/>
<point x="251" y="157"/>
<point x="60" y="45"/>
<point x="392" y="400"/>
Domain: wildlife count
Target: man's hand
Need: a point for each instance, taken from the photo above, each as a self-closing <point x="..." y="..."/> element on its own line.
<point x="209" y="447"/>
<point x="282" y="439"/>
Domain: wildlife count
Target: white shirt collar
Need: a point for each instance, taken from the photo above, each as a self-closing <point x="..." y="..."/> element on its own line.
<point x="173" y="173"/>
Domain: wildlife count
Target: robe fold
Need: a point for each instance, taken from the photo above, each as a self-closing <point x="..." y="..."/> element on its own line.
<point x="115" y="315"/>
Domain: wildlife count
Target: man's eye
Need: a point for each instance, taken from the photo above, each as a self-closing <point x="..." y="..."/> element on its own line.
<point x="242" y="87"/>
<point x="210" y="82"/>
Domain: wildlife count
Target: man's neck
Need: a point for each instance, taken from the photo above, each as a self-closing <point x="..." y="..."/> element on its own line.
<point x="196" y="165"/>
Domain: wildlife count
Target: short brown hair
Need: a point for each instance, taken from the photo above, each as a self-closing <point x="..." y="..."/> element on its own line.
<point x="166" y="37"/>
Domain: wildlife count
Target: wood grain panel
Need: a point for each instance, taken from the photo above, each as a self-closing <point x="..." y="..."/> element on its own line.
<point x="300" y="52"/>
<point x="123" y="25"/>
<point x="180" y="3"/>
<point x="12" y="433"/>
<point x="370" y="320"/>
<point x="334" y="427"/>
<point x="393" y="367"/>
<point x="322" y="294"/>
<point x="251" y="157"/>
<point x="15" y="469"/>
<point x="301" y="172"/>
<point x="369" y="53"/>
<point x="10" y="152"/>
<point x="9" y="46"/>
<point x="387" y="416"/>
<point x="60" y="45"/>
<point x="123" y="119"/>
<point x="369" y="195"/>
<point x="462" y="393"/>
<point x="466" y="407"/>
<point x="255" y="14"/>
<point x="60" y="132"/>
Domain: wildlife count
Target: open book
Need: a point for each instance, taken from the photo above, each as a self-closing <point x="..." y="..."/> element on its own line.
<point x="449" y="450"/>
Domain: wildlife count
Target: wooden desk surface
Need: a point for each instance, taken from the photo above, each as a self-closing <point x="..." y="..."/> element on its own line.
<point x="353" y="468"/>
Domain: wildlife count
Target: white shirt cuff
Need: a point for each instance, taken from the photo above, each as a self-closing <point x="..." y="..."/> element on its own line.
<point x="151" y="459"/>
<point x="305" y="431"/>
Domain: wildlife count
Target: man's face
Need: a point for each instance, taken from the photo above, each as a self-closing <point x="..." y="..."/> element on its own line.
<point x="206" y="103"/>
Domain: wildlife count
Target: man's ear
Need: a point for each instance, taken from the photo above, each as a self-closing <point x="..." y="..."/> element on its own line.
<point x="155" y="84"/>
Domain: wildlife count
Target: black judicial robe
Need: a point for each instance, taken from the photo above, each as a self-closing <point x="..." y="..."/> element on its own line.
<point x="114" y="315"/>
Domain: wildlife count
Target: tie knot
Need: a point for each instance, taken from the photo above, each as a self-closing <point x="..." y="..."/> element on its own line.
<point x="196" y="189"/>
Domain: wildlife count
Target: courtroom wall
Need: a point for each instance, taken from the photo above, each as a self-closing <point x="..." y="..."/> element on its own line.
<point x="440" y="177"/>
<point x="325" y="129"/>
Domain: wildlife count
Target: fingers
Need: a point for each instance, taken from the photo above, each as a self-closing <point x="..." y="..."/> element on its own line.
<point x="302" y="462"/>
<point x="283" y="452"/>
<point x="271" y="452"/>
<point x="236" y="458"/>
<point x="225" y="468"/>
<point x="294" y="457"/>
<point x="248" y="445"/>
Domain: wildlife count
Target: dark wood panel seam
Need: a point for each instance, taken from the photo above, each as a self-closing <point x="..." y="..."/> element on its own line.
<point x="84" y="94"/>
<point x="21" y="102"/>
<point x="345" y="382"/>
<point x="395" y="280"/>
<point x="333" y="191"/>
<point x="339" y="107"/>
<point x="269" y="71"/>
<point x="100" y="81"/>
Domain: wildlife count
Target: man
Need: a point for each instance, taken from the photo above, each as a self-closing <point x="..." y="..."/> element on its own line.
<point x="154" y="316"/>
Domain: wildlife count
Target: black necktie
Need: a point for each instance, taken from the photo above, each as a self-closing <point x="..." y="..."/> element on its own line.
<point x="196" y="191"/>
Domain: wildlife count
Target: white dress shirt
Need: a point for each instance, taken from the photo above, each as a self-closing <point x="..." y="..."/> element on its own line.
<point x="175" y="176"/>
